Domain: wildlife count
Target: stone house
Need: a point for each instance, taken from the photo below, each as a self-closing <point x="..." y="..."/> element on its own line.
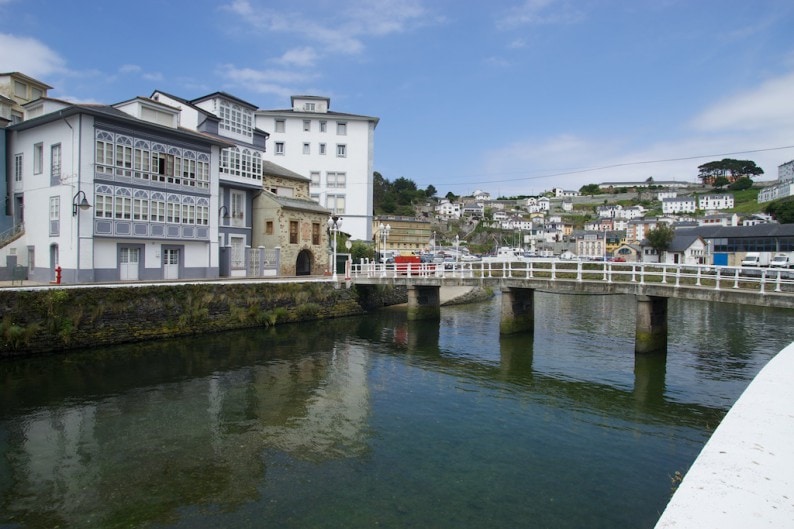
<point x="285" y="217"/>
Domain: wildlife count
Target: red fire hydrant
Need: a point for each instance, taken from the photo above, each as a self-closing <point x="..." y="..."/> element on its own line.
<point x="57" y="274"/>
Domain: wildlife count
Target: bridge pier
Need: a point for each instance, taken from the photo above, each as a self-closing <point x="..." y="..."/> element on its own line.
<point x="424" y="302"/>
<point x="518" y="310"/>
<point x="651" y="326"/>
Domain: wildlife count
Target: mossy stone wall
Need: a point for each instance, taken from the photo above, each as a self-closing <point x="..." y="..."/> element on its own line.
<point x="55" y="319"/>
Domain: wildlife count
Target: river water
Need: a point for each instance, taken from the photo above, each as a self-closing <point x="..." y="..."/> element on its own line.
<point x="379" y="422"/>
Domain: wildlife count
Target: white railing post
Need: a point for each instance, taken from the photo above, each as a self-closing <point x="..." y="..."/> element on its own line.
<point x="609" y="273"/>
<point x="697" y="283"/>
<point x="664" y="274"/>
<point x="642" y="274"/>
<point x="579" y="271"/>
<point x="763" y="280"/>
<point x="736" y="279"/>
<point x="717" y="280"/>
<point x="777" y="282"/>
<point x="633" y="273"/>
<point x="677" y="277"/>
<point x="553" y="270"/>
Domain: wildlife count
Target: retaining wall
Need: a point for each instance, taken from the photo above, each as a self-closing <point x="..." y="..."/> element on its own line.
<point x="61" y="319"/>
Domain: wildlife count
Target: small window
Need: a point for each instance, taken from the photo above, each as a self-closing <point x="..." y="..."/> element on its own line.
<point x="279" y="147"/>
<point x="323" y="126"/>
<point x="315" y="178"/>
<point x="20" y="89"/>
<point x="38" y="158"/>
<point x="341" y="128"/>
<point x="307" y="125"/>
<point x="293" y="232"/>
<point x="316" y="233"/>
<point x="322" y="149"/>
<point x="269" y="227"/>
<point x="306" y="148"/>
<point x="280" y="125"/>
<point x="341" y="151"/>
<point x="17" y="168"/>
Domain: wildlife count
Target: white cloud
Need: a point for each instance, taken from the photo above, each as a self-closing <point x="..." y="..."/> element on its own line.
<point x="766" y="107"/>
<point x="303" y="57"/>
<point x="340" y="27"/>
<point x="537" y="12"/>
<point x="29" y="56"/>
<point x="277" y="82"/>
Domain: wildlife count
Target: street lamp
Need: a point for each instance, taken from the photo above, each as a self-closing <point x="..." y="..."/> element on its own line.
<point x="81" y="203"/>
<point x="383" y="236"/>
<point x="334" y="223"/>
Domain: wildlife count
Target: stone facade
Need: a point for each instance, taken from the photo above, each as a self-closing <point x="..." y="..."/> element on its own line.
<point x="284" y="216"/>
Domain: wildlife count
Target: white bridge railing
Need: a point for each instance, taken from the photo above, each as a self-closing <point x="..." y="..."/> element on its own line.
<point x="761" y="280"/>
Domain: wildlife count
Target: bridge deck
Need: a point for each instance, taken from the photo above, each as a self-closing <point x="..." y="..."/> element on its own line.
<point x="762" y="287"/>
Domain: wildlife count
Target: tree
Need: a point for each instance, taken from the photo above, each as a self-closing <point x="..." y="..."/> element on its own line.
<point x="781" y="210"/>
<point x="729" y="168"/>
<point x="741" y="184"/>
<point x="590" y="189"/>
<point x="452" y="197"/>
<point x="430" y="191"/>
<point x="720" y="181"/>
<point x="660" y="238"/>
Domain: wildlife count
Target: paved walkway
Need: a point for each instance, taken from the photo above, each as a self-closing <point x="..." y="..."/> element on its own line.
<point x="744" y="476"/>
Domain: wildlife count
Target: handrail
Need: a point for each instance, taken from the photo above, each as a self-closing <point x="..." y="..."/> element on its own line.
<point x="707" y="277"/>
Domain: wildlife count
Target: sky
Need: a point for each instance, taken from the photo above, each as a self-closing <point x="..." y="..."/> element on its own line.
<point x="512" y="97"/>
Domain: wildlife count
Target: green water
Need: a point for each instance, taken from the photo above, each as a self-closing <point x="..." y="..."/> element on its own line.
<point x="378" y="422"/>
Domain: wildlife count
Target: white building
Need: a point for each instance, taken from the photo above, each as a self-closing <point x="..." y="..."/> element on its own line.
<point x="715" y="202"/>
<point x="448" y="210"/>
<point x="114" y="193"/>
<point x="336" y="150"/>
<point x="784" y="187"/>
<point x="674" y="206"/>
<point x="240" y="165"/>
<point x="559" y="192"/>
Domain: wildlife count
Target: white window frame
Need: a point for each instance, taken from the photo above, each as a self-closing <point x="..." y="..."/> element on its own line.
<point x="279" y="146"/>
<point x="307" y="125"/>
<point x="307" y="148"/>
<point x="18" y="166"/>
<point x="341" y="150"/>
<point x="38" y="158"/>
<point x="341" y="128"/>
<point x="322" y="149"/>
<point x="55" y="161"/>
<point x="281" y="125"/>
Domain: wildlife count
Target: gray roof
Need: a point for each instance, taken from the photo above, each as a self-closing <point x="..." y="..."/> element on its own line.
<point x="302" y="204"/>
<point x="269" y="168"/>
<point x="758" y="230"/>
<point x="681" y="242"/>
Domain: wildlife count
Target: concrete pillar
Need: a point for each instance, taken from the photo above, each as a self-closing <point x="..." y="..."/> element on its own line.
<point x="518" y="310"/>
<point x="424" y="303"/>
<point x="651" y="329"/>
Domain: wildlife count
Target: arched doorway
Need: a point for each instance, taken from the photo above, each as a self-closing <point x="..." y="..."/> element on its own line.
<point x="303" y="265"/>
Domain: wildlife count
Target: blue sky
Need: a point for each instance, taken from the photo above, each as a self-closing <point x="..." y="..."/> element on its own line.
<point x="508" y="96"/>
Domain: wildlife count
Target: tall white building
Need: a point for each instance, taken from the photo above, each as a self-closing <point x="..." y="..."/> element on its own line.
<point x="335" y="150"/>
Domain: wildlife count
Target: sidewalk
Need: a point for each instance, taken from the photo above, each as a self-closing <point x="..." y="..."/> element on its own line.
<point x="744" y="476"/>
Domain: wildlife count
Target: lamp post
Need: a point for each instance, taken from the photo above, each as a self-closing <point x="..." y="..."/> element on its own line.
<point x="334" y="223"/>
<point x="79" y="203"/>
<point x="384" y="236"/>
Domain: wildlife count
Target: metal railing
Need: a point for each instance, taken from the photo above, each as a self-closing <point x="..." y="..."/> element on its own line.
<point x="761" y="280"/>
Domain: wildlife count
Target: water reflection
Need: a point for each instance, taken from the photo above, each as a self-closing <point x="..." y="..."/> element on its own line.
<point x="266" y="425"/>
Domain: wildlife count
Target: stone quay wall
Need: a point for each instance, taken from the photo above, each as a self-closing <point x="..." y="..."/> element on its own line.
<point x="62" y="319"/>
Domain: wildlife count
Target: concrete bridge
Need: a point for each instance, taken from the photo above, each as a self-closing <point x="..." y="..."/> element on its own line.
<point x="652" y="284"/>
